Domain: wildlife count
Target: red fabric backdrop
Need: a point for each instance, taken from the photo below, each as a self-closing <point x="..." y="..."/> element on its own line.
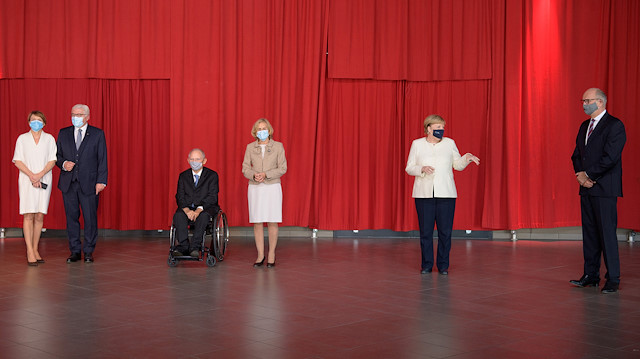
<point x="346" y="86"/>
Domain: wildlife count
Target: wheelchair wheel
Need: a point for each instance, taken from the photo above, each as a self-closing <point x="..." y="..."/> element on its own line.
<point x="172" y="262"/>
<point x="172" y="237"/>
<point x="220" y="236"/>
<point x="211" y="260"/>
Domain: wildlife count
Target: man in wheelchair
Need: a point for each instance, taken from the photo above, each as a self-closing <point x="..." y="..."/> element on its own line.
<point x="197" y="199"/>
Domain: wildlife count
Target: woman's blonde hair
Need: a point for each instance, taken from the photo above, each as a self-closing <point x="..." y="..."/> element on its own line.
<point x="431" y="120"/>
<point x="254" y="129"/>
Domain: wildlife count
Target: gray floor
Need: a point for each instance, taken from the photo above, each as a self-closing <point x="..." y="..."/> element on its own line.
<point x="341" y="298"/>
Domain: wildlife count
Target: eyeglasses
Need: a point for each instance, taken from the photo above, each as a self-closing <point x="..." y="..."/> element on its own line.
<point x="587" y="100"/>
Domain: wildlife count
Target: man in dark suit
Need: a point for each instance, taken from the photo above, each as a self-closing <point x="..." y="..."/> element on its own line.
<point x="82" y="158"/>
<point x="597" y="162"/>
<point x="197" y="199"/>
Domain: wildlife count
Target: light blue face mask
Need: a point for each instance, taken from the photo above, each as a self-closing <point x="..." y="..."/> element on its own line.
<point x="195" y="165"/>
<point x="36" y="125"/>
<point x="262" y="135"/>
<point x="77" y="121"/>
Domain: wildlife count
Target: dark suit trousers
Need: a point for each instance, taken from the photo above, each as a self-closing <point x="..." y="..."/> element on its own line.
<point x="181" y="223"/>
<point x="74" y="200"/>
<point x="599" y="223"/>
<point x="440" y="212"/>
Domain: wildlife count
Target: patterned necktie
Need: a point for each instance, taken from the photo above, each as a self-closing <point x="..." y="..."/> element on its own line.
<point x="197" y="178"/>
<point x="78" y="139"/>
<point x="593" y="121"/>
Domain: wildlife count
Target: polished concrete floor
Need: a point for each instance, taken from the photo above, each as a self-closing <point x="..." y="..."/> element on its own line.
<point x="328" y="298"/>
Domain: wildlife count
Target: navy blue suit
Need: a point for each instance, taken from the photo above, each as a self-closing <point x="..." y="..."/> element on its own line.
<point x="78" y="186"/>
<point x="601" y="159"/>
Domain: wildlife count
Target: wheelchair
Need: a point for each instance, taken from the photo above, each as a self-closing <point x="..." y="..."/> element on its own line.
<point x="213" y="246"/>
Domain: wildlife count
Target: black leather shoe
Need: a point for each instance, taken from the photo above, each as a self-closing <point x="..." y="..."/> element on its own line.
<point x="40" y="260"/>
<point x="586" y="281"/>
<point x="74" y="257"/>
<point x="88" y="258"/>
<point x="425" y="271"/>
<point x="271" y="265"/>
<point x="610" y="287"/>
<point x="259" y="264"/>
<point x="32" y="264"/>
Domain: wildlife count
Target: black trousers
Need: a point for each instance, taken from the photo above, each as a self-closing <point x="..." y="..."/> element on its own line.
<point x="599" y="239"/>
<point x="181" y="223"/>
<point x="440" y="212"/>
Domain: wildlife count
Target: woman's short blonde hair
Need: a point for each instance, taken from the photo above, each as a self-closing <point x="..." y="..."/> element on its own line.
<point x="432" y="120"/>
<point x="38" y="114"/>
<point x="254" y="129"/>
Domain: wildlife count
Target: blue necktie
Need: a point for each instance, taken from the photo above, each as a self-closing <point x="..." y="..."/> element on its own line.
<point x="78" y="139"/>
<point x="197" y="177"/>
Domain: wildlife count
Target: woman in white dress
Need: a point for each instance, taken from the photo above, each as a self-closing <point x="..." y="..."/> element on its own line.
<point x="35" y="156"/>
<point x="264" y="163"/>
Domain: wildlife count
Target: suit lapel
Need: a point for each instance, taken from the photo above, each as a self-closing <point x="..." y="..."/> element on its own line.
<point x="599" y="128"/>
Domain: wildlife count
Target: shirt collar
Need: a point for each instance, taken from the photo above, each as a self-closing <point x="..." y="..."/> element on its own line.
<point x="598" y="118"/>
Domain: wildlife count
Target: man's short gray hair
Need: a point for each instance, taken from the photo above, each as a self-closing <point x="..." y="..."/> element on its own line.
<point x="84" y="108"/>
<point x="601" y="95"/>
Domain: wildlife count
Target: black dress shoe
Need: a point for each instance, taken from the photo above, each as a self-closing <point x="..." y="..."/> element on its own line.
<point x="74" y="257"/>
<point x="586" y="281"/>
<point x="425" y="271"/>
<point x="610" y="287"/>
<point x="259" y="264"/>
<point x="88" y="258"/>
<point x="40" y="260"/>
<point x="271" y="265"/>
<point x="32" y="264"/>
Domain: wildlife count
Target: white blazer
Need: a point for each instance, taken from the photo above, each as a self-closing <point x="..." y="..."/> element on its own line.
<point x="443" y="156"/>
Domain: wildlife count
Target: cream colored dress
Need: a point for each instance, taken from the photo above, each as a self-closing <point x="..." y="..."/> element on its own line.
<point x="35" y="157"/>
<point x="265" y="201"/>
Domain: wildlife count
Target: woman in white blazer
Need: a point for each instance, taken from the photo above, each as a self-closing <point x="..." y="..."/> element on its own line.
<point x="431" y="161"/>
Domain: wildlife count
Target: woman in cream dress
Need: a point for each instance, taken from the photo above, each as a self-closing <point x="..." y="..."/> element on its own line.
<point x="35" y="156"/>
<point x="264" y="163"/>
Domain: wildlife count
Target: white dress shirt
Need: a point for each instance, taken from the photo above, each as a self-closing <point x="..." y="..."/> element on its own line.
<point x="443" y="157"/>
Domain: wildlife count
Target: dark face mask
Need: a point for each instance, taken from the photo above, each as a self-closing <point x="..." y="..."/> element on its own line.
<point x="590" y="108"/>
<point x="438" y="133"/>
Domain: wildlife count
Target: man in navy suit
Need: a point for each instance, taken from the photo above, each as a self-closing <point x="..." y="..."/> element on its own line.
<point x="597" y="162"/>
<point x="197" y="199"/>
<point x="82" y="158"/>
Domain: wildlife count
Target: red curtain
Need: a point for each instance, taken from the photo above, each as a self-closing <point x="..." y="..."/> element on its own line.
<point x="134" y="115"/>
<point x="346" y="86"/>
<point x="413" y="39"/>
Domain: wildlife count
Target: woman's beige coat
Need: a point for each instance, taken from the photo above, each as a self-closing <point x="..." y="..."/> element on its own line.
<point x="274" y="163"/>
